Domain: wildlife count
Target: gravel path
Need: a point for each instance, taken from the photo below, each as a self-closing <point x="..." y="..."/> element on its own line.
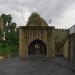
<point x="37" y="65"/>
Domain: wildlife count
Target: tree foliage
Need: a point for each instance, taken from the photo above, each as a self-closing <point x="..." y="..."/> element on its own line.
<point x="36" y="20"/>
<point x="10" y="32"/>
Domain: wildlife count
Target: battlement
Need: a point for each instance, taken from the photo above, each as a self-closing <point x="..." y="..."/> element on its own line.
<point x="62" y="30"/>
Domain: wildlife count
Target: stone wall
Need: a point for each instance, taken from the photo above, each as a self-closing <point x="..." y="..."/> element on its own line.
<point x="72" y="46"/>
<point x="30" y="33"/>
<point x="60" y="38"/>
<point x="66" y="49"/>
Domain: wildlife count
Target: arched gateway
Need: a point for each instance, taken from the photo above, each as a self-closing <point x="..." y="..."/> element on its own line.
<point x="41" y="36"/>
<point x="37" y="47"/>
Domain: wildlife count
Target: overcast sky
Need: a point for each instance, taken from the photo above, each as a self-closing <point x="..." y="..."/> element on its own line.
<point x="62" y="12"/>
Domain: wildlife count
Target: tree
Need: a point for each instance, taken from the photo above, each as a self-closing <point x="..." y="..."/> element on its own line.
<point x="6" y="19"/>
<point x="35" y="19"/>
<point x="9" y="26"/>
<point x="10" y="32"/>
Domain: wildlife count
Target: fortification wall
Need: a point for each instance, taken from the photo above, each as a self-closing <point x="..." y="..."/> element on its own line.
<point x="60" y="34"/>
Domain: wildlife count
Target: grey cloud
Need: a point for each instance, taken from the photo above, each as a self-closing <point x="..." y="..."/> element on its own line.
<point x="46" y="8"/>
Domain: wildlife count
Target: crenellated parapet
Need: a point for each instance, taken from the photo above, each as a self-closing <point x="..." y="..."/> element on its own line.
<point x="62" y="30"/>
<point x="61" y="34"/>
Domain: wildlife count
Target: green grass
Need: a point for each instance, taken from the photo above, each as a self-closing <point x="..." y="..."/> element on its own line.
<point x="8" y="49"/>
<point x="5" y="49"/>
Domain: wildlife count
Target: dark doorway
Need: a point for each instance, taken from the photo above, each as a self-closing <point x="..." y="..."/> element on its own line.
<point x="37" y="47"/>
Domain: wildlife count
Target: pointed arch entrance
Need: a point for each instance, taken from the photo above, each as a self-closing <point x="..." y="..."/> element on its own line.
<point x="37" y="47"/>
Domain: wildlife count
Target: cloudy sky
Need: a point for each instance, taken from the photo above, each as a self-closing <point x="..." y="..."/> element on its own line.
<point x="61" y="12"/>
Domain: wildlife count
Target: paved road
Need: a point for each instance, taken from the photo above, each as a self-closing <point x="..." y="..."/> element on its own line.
<point x="37" y="65"/>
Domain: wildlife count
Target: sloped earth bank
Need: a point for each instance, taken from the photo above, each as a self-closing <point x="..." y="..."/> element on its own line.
<point x="37" y="65"/>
